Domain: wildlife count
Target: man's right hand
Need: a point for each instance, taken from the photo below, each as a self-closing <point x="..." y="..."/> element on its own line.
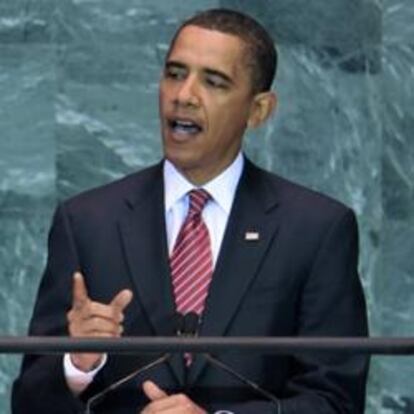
<point x="93" y="319"/>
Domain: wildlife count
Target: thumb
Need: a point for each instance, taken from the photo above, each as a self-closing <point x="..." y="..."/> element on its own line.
<point x="122" y="300"/>
<point x="80" y="293"/>
<point x="152" y="391"/>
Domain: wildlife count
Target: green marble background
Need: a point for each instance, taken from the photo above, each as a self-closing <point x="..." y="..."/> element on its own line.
<point x="78" y="107"/>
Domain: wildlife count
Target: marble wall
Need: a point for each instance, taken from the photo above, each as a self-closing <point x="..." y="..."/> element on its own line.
<point x="78" y="107"/>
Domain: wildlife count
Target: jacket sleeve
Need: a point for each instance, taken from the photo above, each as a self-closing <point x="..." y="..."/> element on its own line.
<point x="41" y="386"/>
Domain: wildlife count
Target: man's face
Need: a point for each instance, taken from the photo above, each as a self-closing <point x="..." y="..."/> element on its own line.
<point x="206" y="101"/>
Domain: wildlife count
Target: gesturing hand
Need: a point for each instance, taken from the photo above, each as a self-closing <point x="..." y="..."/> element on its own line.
<point x="93" y="319"/>
<point x="162" y="403"/>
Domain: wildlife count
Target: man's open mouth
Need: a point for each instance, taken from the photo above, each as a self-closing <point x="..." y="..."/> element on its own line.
<point x="188" y="127"/>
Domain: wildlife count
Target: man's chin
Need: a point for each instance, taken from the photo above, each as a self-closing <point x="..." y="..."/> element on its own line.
<point x="187" y="167"/>
<point x="181" y="163"/>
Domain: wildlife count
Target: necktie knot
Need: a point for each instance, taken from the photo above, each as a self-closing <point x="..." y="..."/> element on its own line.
<point x="198" y="200"/>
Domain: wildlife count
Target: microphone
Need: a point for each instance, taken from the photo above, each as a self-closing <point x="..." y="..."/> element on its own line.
<point x="188" y="324"/>
<point x="190" y="327"/>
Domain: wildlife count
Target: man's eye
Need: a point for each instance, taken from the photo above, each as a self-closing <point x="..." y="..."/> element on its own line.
<point x="176" y="73"/>
<point x="216" y="82"/>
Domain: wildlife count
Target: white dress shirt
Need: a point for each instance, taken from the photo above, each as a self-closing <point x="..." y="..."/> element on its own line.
<point x="215" y="214"/>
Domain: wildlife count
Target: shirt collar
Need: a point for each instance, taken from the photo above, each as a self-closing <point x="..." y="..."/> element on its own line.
<point x="221" y="188"/>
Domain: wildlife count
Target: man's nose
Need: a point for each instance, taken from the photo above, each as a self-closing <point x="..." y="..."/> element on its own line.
<point x="188" y="93"/>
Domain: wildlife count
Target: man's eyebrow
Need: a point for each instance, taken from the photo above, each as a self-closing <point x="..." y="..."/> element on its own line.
<point x="208" y="71"/>
<point x="174" y="64"/>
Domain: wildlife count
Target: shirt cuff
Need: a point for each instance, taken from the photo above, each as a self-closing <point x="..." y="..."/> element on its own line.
<point x="76" y="379"/>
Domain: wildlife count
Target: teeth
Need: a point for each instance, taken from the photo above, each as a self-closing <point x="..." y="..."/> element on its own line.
<point x="185" y="123"/>
<point x="186" y="127"/>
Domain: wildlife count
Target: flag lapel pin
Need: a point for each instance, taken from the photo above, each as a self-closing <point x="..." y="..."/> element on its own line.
<point x="251" y="236"/>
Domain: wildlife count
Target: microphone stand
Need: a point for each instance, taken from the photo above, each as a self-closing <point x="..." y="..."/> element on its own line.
<point x="95" y="399"/>
<point x="98" y="397"/>
<point x="262" y="392"/>
<point x="189" y="324"/>
<point x="186" y="326"/>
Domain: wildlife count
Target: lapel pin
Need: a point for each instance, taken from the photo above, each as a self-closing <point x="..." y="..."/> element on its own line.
<point x="251" y="236"/>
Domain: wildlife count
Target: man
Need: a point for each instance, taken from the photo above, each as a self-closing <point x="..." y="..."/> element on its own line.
<point x="274" y="259"/>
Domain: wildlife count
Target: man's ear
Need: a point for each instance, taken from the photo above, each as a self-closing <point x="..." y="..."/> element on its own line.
<point x="262" y="106"/>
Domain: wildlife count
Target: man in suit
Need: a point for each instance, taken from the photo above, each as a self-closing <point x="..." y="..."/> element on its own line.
<point x="279" y="259"/>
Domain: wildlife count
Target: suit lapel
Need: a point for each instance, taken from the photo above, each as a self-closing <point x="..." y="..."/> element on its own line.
<point x="143" y="235"/>
<point x="248" y="235"/>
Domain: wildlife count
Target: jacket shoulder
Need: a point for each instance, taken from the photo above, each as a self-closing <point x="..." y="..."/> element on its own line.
<point x="112" y="196"/>
<point x="296" y="199"/>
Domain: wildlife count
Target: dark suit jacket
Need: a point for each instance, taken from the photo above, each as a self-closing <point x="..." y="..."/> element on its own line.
<point x="299" y="279"/>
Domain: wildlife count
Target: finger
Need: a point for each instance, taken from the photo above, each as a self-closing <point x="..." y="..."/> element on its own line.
<point x="97" y="309"/>
<point x="152" y="391"/>
<point x="173" y="404"/>
<point x="80" y="293"/>
<point x="121" y="300"/>
<point x="93" y="309"/>
<point x="96" y="326"/>
<point x="97" y="334"/>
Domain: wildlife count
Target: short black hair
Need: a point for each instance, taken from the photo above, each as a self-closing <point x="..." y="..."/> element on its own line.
<point x="261" y="53"/>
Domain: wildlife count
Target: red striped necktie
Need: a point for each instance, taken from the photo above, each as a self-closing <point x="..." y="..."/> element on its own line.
<point x="191" y="260"/>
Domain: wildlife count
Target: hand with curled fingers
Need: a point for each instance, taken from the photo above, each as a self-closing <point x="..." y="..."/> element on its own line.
<point x="162" y="403"/>
<point x="88" y="318"/>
